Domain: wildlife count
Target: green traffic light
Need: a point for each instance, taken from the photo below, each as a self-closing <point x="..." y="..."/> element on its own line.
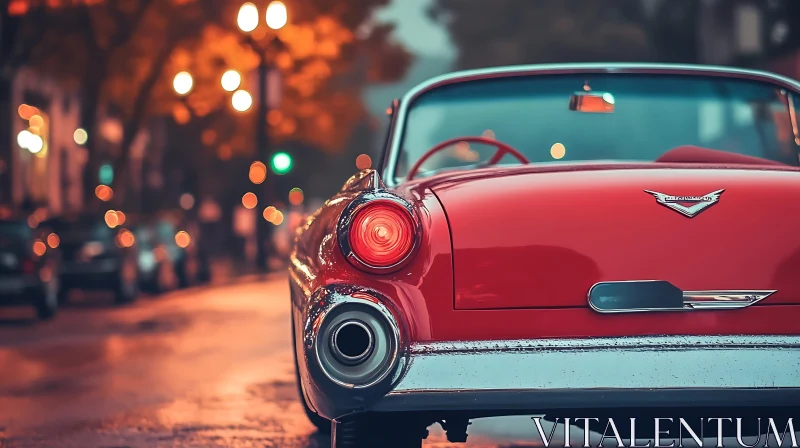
<point x="106" y="174"/>
<point x="281" y="163"/>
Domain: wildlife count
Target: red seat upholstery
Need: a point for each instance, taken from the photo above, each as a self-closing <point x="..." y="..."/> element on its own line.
<point x="696" y="154"/>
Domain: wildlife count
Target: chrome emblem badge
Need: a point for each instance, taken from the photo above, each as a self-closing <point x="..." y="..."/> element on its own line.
<point x="688" y="206"/>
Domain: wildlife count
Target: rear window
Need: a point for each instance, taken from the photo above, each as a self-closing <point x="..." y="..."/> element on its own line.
<point x="632" y="117"/>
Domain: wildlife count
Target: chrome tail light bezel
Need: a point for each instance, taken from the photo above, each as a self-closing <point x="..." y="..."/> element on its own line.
<point x="346" y="221"/>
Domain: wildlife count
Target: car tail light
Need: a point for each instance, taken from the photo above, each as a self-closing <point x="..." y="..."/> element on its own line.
<point x="382" y="233"/>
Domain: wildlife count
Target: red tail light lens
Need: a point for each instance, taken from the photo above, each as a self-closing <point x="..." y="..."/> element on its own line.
<point x="382" y="233"/>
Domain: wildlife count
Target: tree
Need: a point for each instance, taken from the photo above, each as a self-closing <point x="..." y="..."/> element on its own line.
<point x="90" y="44"/>
<point x="506" y="32"/>
<point x="324" y="63"/>
<point x="124" y="53"/>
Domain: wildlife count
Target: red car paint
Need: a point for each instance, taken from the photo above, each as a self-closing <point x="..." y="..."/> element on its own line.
<point x="528" y="242"/>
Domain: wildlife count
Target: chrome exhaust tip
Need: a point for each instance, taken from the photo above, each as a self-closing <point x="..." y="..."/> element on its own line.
<point x="356" y="341"/>
<point x="352" y="342"/>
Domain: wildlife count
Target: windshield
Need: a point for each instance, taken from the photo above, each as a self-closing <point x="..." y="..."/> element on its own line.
<point x="646" y="116"/>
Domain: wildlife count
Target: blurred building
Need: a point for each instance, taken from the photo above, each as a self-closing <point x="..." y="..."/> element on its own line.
<point x="762" y="34"/>
<point x="44" y="162"/>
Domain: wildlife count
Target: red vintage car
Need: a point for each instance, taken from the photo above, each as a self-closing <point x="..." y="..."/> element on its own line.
<point x="545" y="238"/>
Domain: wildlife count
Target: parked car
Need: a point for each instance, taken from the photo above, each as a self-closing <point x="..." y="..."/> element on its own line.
<point x="92" y="259"/>
<point x="28" y="269"/>
<point x="170" y="257"/>
<point x="557" y="239"/>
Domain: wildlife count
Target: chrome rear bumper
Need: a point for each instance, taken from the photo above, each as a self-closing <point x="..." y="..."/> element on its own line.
<point x="667" y="371"/>
<point x="536" y="375"/>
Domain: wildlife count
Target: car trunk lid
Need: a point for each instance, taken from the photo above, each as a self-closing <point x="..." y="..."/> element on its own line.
<point x="542" y="240"/>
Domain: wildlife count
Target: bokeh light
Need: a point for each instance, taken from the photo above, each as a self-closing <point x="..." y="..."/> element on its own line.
<point x="182" y="239"/>
<point x="105" y="174"/>
<point x="26" y="112"/>
<point x="225" y="152"/>
<point x="363" y="162"/>
<point x="121" y="218"/>
<point x="558" y="151"/>
<point x="24" y="139"/>
<point x="247" y="19"/>
<point x="277" y="218"/>
<point x="186" y="201"/>
<point x="277" y="16"/>
<point x="36" y="121"/>
<point x="241" y="100"/>
<point x="125" y="238"/>
<point x="281" y="163"/>
<point x="80" y="136"/>
<point x="53" y="240"/>
<point x="209" y="136"/>
<point x="231" y="80"/>
<point x="111" y="218"/>
<point x="39" y="248"/>
<point x="104" y="193"/>
<point x="258" y="172"/>
<point x="273" y="215"/>
<point x="35" y="144"/>
<point x="182" y="83"/>
<point x="249" y="200"/>
<point x="296" y="196"/>
<point x="269" y="213"/>
<point x="31" y="142"/>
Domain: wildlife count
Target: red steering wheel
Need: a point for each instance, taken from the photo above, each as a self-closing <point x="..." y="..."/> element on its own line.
<point x="502" y="149"/>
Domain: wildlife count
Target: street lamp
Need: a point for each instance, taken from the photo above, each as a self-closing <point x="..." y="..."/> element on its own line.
<point x="182" y="83"/>
<point x="248" y="17"/>
<point x="231" y="80"/>
<point x="276" y="17"/>
<point x="241" y="100"/>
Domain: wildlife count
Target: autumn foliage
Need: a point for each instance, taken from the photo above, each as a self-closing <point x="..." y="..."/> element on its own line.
<point x="123" y="55"/>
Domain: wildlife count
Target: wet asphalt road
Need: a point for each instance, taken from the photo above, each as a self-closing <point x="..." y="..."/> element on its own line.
<point x="209" y="367"/>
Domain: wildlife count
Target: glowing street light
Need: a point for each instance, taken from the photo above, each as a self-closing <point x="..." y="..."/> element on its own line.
<point x="281" y="163"/>
<point x="36" y="121"/>
<point x="182" y="83"/>
<point x="24" y="138"/>
<point x="277" y="15"/>
<point x="30" y="141"/>
<point x="80" y="136"/>
<point x="231" y="80"/>
<point x="248" y="17"/>
<point x="241" y="100"/>
<point x="35" y="144"/>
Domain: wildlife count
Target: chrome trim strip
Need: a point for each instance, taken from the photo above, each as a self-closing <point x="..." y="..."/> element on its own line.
<point x="723" y="299"/>
<point x="555" y="69"/>
<point x="658" y="362"/>
<point x="368" y="179"/>
<point x="630" y="342"/>
<point x="692" y="300"/>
